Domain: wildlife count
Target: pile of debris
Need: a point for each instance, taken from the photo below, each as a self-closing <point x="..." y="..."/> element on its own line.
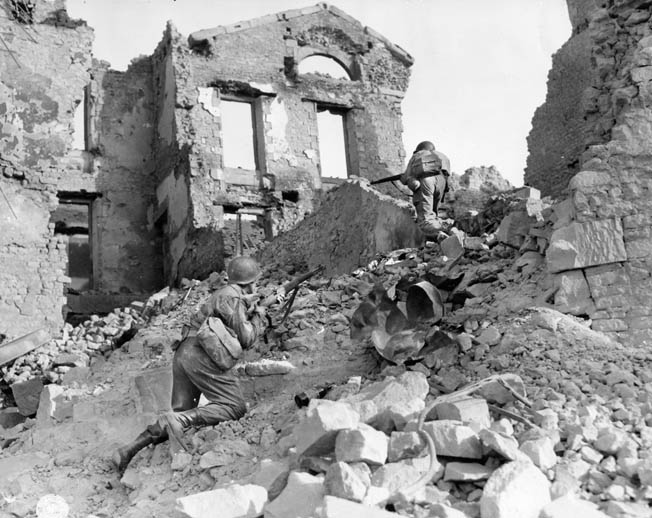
<point x="497" y="397"/>
<point x="75" y="347"/>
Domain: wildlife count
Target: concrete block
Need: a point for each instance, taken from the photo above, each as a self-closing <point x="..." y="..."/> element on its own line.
<point x="466" y="472"/>
<point x="235" y="501"/>
<point x="438" y="510"/>
<point x="339" y="508"/>
<point x="318" y="430"/>
<point x="363" y="444"/>
<point x="344" y="482"/>
<point x="468" y="410"/>
<point x="454" y="439"/>
<point x="404" y="445"/>
<point x="27" y="395"/>
<point x="300" y="498"/>
<point x="571" y="506"/>
<point x="515" y="489"/>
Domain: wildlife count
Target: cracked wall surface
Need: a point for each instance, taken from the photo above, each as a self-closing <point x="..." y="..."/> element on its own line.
<point x="603" y="259"/>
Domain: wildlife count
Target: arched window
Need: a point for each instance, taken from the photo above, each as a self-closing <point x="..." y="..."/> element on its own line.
<point x="323" y="65"/>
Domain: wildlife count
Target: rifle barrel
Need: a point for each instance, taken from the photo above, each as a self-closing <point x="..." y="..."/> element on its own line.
<point x="387" y="179"/>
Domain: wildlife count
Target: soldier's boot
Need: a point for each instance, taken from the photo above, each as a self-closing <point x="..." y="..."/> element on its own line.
<point x="154" y="434"/>
<point x="176" y="422"/>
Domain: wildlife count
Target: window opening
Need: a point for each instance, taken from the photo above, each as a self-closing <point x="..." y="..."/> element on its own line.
<point x="332" y="143"/>
<point x="292" y="196"/>
<point x="79" y="125"/>
<point x="238" y="144"/>
<point x="72" y="218"/>
<point x="323" y="65"/>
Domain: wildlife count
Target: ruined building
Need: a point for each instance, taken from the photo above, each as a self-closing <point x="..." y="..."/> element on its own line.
<point x="152" y="188"/>
<point x="592" y="139"/>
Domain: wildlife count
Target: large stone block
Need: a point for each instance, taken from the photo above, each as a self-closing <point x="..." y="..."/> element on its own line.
<point x="516" y="489"/>
<point x="394" y="400"/>
<point x="319" y="428"/>
<point x="339" y="508"/>
<point x="154" y="387"/>
<point x="344" y="482"/>
<point x="571" y="506"/>
<point x="586" y="244"/>
<point x="454" y="439"/>
<point x="467" y="410"/>
<point x="573" y="295"/>
<point x="235" y="501"/>
<point x="403" y="445"/>
<point x="27" y="395"/>
<point x="301" y="497"/>
<point x="361" y="445"/>
<point x="514" y="228"/>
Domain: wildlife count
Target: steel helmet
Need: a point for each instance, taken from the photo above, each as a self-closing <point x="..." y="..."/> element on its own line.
<point x="243" y="270"/>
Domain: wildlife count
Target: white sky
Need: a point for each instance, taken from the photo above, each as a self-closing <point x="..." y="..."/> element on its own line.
<point x="480" y="65"/>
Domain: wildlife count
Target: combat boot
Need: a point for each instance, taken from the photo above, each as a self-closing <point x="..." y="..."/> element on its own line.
<point x="154" y="434"/>
<point x="176" y="422"/>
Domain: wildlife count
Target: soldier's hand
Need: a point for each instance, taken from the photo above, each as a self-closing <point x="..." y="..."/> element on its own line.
<point x="413" y="184"/>
<point x="261" y="311"/>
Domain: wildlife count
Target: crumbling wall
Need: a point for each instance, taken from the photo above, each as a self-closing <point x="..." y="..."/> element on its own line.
<point x="130" y="258"/>
<point x="560" y="132"/>
<point x="603" y="258"/>
<point x="42" y="78"/>
<point x="257" y="61"/>
<point x="353" y="224"/>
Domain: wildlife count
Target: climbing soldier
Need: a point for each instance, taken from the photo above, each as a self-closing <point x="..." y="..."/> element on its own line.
<point x="212" y="343"/>
<point x="426" y="175"/>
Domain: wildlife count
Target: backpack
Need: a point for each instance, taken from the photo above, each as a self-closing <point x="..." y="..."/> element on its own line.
<point x="425" y="163"/>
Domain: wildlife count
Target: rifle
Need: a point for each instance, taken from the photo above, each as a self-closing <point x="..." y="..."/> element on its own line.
<point x="290" y="286"/>
<point x="387" y="179"/>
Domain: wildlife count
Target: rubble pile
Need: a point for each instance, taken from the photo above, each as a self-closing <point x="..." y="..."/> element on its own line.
<point x="75" y="347"/>
<point x="503" y="407"/>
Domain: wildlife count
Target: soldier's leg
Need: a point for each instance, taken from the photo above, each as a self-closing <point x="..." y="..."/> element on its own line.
<point x="198" y="372"/>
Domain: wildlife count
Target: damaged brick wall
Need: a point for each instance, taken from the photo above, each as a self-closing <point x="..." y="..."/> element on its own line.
<point x="257" y="62"/>
<point x="47" y="76"/>
<point x="353" y="224"/>
<point x="603" y="257"/>
<point x="42" y="79"/>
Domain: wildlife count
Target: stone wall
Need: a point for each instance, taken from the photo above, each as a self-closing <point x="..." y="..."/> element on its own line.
<point x="42" y="79"/>
<point x="603" y="259"/>
<point x="257" y="61"/>
<point x="353" y="224"/>
<point x="46" y="76"/>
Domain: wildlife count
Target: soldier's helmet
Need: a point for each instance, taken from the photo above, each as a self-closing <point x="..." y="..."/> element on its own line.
<point x="243" y="270"/>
